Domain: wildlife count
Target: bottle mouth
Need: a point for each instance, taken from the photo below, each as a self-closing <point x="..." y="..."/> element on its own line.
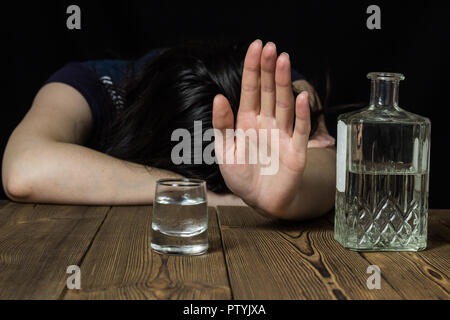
<point x="386" y="76"/>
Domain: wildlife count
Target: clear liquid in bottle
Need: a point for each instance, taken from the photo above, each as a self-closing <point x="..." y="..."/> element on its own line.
<point x="382" y="174"/>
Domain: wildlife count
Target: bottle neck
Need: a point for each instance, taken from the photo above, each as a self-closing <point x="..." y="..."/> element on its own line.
<point x="384" y="93"/>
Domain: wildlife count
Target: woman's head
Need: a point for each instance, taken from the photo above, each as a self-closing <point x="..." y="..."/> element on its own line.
<point x="172" y="91"/>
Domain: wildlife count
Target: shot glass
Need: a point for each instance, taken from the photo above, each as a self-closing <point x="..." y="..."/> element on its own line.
<point x="180" y="217"/>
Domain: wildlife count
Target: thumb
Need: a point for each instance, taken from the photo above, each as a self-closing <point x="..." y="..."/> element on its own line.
<point x="223" y="119"/>
<point x="222" y="114"/>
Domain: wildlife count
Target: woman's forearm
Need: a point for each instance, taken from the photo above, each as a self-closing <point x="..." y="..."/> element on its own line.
<point x="316" y="193"/>
<point x="44" y="171"/>
<point x="55" y="172"/>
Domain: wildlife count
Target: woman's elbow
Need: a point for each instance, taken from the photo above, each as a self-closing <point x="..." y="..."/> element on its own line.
<point x="17" y="186"/>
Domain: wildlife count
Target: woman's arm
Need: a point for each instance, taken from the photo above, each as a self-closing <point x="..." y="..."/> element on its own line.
<point x="315" y="195"/>
<point x="301" y="184"/>
<point x="45" y="161"/>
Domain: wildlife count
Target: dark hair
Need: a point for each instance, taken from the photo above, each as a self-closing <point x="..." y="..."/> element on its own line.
<point x="172" y="91"/>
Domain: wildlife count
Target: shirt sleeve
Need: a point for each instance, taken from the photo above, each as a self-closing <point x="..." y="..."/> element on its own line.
<point x="85" y="81"/>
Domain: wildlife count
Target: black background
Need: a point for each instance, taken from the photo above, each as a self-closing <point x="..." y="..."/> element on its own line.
<point x="320" y="36"/>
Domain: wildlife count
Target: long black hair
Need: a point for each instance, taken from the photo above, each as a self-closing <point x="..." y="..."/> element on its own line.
<point x="172" y="91"/>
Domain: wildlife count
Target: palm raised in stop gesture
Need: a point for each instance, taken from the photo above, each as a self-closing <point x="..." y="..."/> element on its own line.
<point x="267" y="102"/>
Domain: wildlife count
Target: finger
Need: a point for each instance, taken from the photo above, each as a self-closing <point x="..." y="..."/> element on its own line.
<point x="250" y="88"/>
<point x="223" y="123"/>
<point x="302" y="123"/>
<point x="284" y="97"/>
<point x="320" y="135"/>
<point x="317" y="143"/>
<point x="268" y="65"/>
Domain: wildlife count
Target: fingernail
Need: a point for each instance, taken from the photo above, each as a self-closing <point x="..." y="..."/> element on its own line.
<point x="271" y="44"/>
<point x="286" y="54"/>
<point x="257" y="41"/>
<point x="324" y="142"/>
<point x="330" y="139"/>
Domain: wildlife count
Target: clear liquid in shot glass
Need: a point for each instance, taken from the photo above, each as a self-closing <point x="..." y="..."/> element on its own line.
<point x="180" y="223"/>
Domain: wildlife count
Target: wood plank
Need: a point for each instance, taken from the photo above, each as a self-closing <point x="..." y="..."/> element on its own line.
<point x="411" y="276"/>
<point x="439" y="225"/>
<point x="121" y="265"/>
<point x="38" y="243"/>
<point x="437" y="254"/>
<point x="424" y="274"/>
<point x="443" y="214"/>
<point x="269" y="259"/>
<point x="3" y="203"/>
<point x="14" y="213"/>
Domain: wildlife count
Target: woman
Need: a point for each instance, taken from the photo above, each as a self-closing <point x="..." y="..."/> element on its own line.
<point x="87" y="140"/>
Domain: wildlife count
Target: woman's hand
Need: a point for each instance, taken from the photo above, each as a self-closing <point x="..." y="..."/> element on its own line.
<point x="267" y="102"/>
<point x="321" y="138"/>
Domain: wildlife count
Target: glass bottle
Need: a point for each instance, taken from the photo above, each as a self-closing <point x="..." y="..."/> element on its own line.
<point x="382" y="173"/>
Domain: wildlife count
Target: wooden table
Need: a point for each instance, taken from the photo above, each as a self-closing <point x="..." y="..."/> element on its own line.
<point x="250" y="257"/>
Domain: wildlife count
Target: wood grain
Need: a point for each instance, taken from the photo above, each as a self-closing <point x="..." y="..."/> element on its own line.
<point x="15" y="213"/>
<point x="3" y="203"/>
<point x="424" y="274"/>
<point x="38" y="243"/>
<point x="250" y="257"/>
<point x="269" y="259"/>
<point x="419" y="275"/>
<point x="121" y="265"/>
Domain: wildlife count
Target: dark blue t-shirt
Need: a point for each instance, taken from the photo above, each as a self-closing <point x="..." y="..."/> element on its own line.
<point x="98" y="81"/>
